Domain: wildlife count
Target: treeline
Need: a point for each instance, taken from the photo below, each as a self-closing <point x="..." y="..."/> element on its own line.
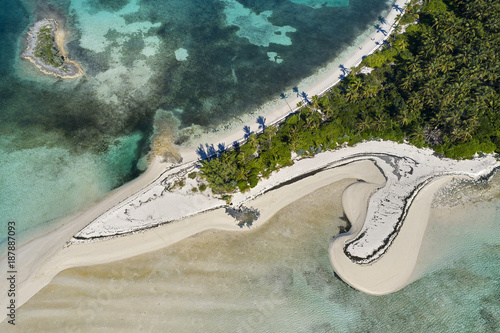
<point x="435" y="85"/>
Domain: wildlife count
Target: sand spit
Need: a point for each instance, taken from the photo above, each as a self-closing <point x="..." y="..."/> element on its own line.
<point x="406" y="169"/>
<point x="73" y="69"/>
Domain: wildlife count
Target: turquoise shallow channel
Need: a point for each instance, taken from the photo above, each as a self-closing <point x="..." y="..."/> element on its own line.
<point x="196" y="64"/>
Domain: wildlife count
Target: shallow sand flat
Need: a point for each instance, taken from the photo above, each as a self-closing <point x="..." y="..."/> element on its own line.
<point x="167" y="289"/>
<point x="394" y="269"/>
<point x="45" y="258"/>
<point x="35" y="253"/>
<point x="275" y="278"/>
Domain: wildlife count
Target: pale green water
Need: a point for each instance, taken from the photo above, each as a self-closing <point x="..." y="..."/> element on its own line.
<point x="278" y="279"/>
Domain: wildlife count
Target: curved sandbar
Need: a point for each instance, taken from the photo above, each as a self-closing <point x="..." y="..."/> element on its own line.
<point x="394" y="269"/>
<point x="388" y="210"/>
<point x="53" y="40"/>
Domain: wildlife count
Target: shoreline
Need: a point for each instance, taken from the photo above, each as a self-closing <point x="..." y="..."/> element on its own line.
<point x="39" y="271"/>
<point x="59" y="34"/>
<point x="395" y="269"/>
<point x="276" y="110"/>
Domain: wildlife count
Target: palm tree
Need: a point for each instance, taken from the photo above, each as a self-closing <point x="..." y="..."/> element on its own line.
<point x="355" y="82"/>
<point x="380" y="122"/>
<point x="269" y="132"/>
<point x="364" y="124"/>
<point x="253" y="140"/>
<point x="404" y="118"/>
<point x="315" y="102"/>
<point x="328" y="111"/>
<point x="418" y="134"/>
<point x="351" y="95"/>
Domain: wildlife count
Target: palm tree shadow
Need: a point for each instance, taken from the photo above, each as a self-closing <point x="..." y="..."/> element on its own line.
<point x="305" y="97"/>
<point x="284" y="96"/>
<point x="236" y="145"/>
<point x="380" y="29"/>
<point x="397" y="8"/>
<point x="261" y="121"/>
<point x="221" y="147"/>
<point x="211" y="151"/>
<point x="201" y="152"/>
<point x="248" y="131"/>
<point x="345" y="72"/>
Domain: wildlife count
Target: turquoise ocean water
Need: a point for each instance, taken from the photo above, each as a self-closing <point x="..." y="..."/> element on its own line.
<point x="66" y="143"/>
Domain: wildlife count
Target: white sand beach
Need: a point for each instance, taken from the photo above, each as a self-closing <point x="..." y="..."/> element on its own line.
<point x="276" y="110"/>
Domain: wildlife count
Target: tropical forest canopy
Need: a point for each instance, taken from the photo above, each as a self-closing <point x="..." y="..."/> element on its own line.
<point x="435" y="85"/>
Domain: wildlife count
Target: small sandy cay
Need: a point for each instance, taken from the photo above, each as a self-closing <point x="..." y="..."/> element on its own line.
<point x="46" y="50"/>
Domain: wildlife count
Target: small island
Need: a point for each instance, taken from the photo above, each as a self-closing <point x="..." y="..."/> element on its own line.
<point x="46" y="50"/>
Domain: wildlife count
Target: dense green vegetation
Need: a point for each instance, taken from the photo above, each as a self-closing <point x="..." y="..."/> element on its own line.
<point x="435" y="85"/>
<point x="45" y="48"/>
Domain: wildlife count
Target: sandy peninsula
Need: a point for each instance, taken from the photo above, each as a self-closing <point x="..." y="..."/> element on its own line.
<point x="66" y="68"/>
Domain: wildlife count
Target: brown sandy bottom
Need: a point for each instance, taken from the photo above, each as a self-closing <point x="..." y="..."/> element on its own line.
<point x="215" y="281"/>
